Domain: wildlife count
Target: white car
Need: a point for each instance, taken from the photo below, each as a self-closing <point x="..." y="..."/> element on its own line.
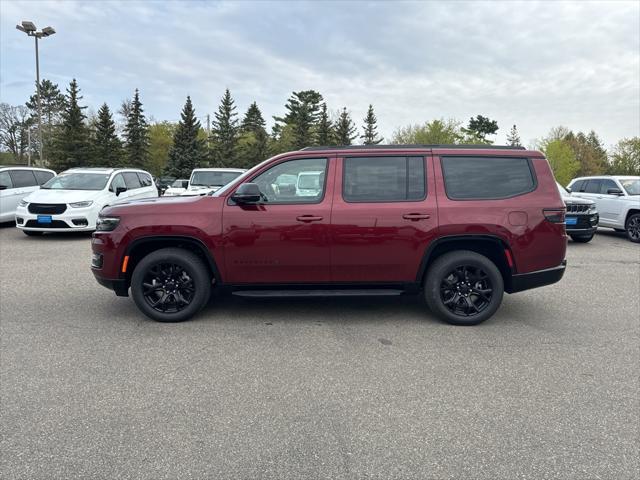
<point x="15" y="184"/>
<point x="308" y="184"/>
<point x="207" y="180"/>
<point x="617" y="199"/>
<point x="71" y="201"/>
<point x="176" y="188"/>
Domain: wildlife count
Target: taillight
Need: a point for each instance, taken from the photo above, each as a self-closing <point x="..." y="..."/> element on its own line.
<point x="554" y="215"/>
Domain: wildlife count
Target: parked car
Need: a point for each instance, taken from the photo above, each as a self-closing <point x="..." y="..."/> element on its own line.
<point x="176" y="188"/>
<point x="309" y="183"/>
<point x="207" y="180"/>
<point x="163" y="183"/>
<point x="15" y="184"/>
<point x="71" y="201"/>
<point x="582" y="216"/>
<point x="462" y="225"/>
<point x="617" y="199"/>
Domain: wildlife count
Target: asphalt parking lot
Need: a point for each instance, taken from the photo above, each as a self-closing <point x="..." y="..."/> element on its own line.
<point x="304" y="389"/>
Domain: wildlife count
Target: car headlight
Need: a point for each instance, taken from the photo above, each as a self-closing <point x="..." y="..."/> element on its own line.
<point x="592" y="209"/>
<point x="107" y="224"/>
<point x="23" y="203"/>
<point x="87" y="203"/>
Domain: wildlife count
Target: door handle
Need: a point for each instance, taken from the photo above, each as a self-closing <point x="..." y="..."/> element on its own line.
<point x="416" y="216"/>
<point x="308" y="218"/>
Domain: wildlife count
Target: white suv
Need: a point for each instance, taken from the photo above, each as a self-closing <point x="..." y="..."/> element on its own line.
<point x="617" y="199"/>
<point x="207" y="180"/>
<point x="72" y="200"/>
<point x="15" y="184"/>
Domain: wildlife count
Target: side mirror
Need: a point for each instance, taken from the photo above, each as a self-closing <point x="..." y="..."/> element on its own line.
<point x="247" y="193"/>
<point x="119" y="190"/>
<point x="185" y="183"/>
<point x="568" y="189"/>
<point x="614" y="191"/>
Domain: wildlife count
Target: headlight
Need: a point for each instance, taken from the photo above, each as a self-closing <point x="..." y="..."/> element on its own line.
<point x="592" y="209"/>
<point x="22" y="203"/>
<point x="106" y="224"/>
<point x="87" y="203"/>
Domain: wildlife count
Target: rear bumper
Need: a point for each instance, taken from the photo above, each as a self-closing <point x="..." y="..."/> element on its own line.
<point x="539" y="278"/>
<point x="118" y="285"/>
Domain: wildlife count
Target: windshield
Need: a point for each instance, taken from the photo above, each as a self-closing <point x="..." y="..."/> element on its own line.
<point x="77" y="181"/>
<point x="213" y="179"/>
<point x="632" y="186"/>
<point x="309" y="181"/>
<point x="178" y="183"/>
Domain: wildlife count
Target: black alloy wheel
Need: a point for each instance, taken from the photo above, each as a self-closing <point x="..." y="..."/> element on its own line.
<point x="466" y="290"/>
<point x="633" y="228"/>
<point x="167" y="287"/>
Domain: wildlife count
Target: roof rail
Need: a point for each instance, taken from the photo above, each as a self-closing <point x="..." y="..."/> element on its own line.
<point x="404" y="147"/>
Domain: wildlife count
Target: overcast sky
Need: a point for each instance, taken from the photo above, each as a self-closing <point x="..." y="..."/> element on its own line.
<point x="537" y="65"/>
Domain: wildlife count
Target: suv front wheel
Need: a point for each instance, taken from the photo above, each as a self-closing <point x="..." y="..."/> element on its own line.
<point x="170" y="285"/>
<point x="463" y="288"/>
<point x="633" y="228"/>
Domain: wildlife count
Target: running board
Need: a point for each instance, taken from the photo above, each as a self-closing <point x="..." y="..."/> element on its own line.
<point x="371" y="292"/>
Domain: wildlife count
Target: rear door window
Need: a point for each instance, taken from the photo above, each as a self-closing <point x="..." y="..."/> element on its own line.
<point x="145" y="179"/>
<point x="42" y="176"/>
<point x="607" y="184"/>
<point x="470" y="178"/>
<point x="5" y="180"/>
<point x="23" y="178"/>
<point x="131" y="180"/>
<point x="593" y="186"/>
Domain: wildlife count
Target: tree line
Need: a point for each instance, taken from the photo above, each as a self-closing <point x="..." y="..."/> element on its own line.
<point x="73" y="138"/>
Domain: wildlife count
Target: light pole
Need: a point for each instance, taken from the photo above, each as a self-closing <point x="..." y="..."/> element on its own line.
<point x="30" y="29"/>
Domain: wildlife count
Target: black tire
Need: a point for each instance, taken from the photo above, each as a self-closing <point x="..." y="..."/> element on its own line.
<point x="446" y="276"/>
<point x="582" y="238"/>
<point x="31" y="233"/>
<point x="632" y="228"/>
<point x="174" y="279"/>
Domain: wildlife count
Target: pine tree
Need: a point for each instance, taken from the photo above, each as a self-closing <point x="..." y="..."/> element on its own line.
<point x="345" y="128"/>
<point x="136" y="135"/>
<point x="106" y="147"/>
<point x="303" y="111"/>
<point x="325" y="134"/>
<point x="253" y="120"/>
<point x="370" y="128"/>
<point x="479" y="127"/>
<point x="513" y="138"/>
<point x="252" y="146"/>
<point x="71" y="142"/>
<point x="224" y="133"/>
<point x="188" y="149"/>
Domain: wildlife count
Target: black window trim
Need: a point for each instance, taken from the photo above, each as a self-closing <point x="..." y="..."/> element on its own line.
<point x="426" y="177"/>
<point x="529" y="160"/>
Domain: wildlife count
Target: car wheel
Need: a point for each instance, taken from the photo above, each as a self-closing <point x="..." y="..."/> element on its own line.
<point x="170" y="285"/>
<point x="633" y="228"/>
<point x="463" y="288"/>
<point x="582" y="238"/>
<point x="31" y="233"/>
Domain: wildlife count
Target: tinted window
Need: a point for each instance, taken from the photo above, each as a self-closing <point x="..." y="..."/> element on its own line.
<point x="295" y="181"/>
<point x="5" y="180"/>
<point x="383" y="179"/>
<point x="131" y="180"/>
<point x="42" y="177"/>
<point x="578" y="185"/>
<point x="607" y="184"/>
<point x="486" y="177"/>
<point x="23" y="178"/>
<point x="593" y="186"/>
<point x="212" y="178"/>
<point x="117" y="182"/>
<point x="145" y="179"/>
<point x="77" y="181"/>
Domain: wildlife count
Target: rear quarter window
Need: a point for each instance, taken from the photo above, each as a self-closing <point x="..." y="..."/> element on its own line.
<point x="42" y="177"/>
<point x="489" y="178"/>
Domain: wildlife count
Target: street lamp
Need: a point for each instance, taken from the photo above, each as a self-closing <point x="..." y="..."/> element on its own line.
<point x="30" y="29"/>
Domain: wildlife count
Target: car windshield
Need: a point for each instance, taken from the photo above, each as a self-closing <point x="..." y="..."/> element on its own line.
<point x="178" y="183"/>
<point x="77" y="181"/>
<point x="309" y="181"/>
<point x="632" y="186"/>
<point x="213" y="179"/>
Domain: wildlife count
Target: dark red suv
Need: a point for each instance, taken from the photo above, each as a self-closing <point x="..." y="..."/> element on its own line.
<point x="461" y="224"/>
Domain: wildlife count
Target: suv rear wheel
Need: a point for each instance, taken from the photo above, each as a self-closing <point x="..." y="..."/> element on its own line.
<point x="463" y="288"/>
<point x="633" y="228"/>
<point x="170" y="285"/>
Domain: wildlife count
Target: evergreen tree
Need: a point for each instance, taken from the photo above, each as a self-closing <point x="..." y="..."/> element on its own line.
<point x="479" y="127"/>
<point x="71" y="142"/>
<point x="513" y="138"/>
<point x="225" y="132"/>
<point x="136" y="135"/>
<point x="589" y="152"/>
<point x="106" y="147"/>
<point x="370" y="128"/>
<point x="252" y="145"/>
<point x="303" y="111"/>
<point x="325" y="132"/>
<point x="253" y="120"/>
<point x="188" y="149"/>
<point x="345" y="128"/>
<point x="52" y="102"/>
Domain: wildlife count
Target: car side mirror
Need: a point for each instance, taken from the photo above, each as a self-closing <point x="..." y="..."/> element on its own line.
<point x="185" y="184"/>
<point x="614" y="191"/>
<point x="568" y="189"/>
<point x="247" y="193"/>
<point x="119" y="190"/>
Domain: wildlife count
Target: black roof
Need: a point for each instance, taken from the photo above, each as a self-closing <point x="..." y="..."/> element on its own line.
<point x="405" y="147"/>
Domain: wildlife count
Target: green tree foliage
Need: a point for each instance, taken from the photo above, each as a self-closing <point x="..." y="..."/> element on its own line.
<point x="513" y="138"/>
<point x="589" y="153"/>
<point x="562" y="160"/>
<point x="325" y="133"/>
<point x="52" y="102"/>
<point x="435" y="132"/>
<point x="106" y="147"/>
<point x="303" y="111"/>
<point x="160" y="143"/>
<point x="252" y="147"/>
<point x="14" y="123"/>
<point x="625" y="158"/>
<point x="253" y="120"/>
<point x="370" y="129"/>
<point x="188" y="150"/>
<point x="345" y="128"/>
<point x="136" y="135"/>
<point x="71" y="146"/>
<point x="224" y="134"/>
<point x="479" y="128"/>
